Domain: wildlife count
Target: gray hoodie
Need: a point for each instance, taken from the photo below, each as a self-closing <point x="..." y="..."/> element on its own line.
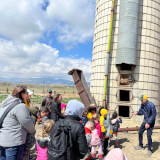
<point x="108" y="126"/>
<point x="16" y="124"/>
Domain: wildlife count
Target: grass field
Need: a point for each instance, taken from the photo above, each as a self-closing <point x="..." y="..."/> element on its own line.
<point x="39" y="91"/>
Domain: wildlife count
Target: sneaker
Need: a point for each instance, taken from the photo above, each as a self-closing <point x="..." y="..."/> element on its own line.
<point x="138" y="148"/>
<point x="100" y="157"/>
<point x="149" y="153"/>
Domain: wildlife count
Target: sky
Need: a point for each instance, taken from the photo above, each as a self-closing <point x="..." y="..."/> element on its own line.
<point x="46" y="38"/>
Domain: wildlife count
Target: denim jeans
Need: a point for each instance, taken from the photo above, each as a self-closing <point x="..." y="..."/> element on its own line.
<point x="149" y="134"/>
<point x="12" y="153"/>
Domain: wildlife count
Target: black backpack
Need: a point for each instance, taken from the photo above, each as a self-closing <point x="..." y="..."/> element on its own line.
<point x="60" y="145"/>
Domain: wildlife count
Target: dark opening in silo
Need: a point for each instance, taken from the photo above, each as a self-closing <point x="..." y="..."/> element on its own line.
<point x="125" y="66"/>
<point x="124" y="95"/>
<point x="124" y="111"/>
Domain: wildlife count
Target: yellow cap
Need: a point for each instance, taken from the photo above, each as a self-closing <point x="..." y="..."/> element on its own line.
<point x="143" y="97"/>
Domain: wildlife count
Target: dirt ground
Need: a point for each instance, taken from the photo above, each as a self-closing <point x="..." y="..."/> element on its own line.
<point x="127" y="141"/>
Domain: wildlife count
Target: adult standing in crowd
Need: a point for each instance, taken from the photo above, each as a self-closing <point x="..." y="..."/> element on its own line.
<point x="72" y="119"/>
<point x="149" y="111"/>
<point x="16" y="124"/>
<point x="56" y="108"/>
<point x="47" y="101"/>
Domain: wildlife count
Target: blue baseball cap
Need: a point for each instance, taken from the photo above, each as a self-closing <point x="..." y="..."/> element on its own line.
<point x="49" y="91"/>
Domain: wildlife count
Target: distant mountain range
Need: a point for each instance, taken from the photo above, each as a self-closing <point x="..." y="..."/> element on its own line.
<point x="38" y="81"/>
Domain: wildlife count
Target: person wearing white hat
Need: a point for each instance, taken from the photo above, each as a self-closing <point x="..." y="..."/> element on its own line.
<point x="27" y="101"/>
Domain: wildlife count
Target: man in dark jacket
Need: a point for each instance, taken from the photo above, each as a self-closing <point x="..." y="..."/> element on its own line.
<point x="149" y="111"/>
<point x="48" y="99"/>
<point x="73" y="113"/>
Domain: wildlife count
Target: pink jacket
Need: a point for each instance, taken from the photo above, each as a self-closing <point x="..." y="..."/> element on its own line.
<point x="41" y="152"/>
<point x="98" y="127"/>
<point x="95" y="140"/>
<point x="63" y="105"/>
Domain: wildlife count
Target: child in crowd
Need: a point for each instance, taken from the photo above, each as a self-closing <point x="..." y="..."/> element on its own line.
<point x="96" y="138"/>
<point x="109" y="132"/>
<point x="33" y="112"/>
<point x="115" y="120"/>
<point x="116" y="154"/>
<point x="90" y="125"/>
<point x="42" y="113"/>
<point x="96" y="119"/>
<point x="42" y="140"/>
<point x="84" y="118"/>
<point x="91" y="111"/>
<point x="63" y="108"/>
<point x="103" y="112"/>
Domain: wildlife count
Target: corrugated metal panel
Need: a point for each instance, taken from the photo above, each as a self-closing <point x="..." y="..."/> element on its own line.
<point x="82" y="87"/>
<point x="128" y="32"/>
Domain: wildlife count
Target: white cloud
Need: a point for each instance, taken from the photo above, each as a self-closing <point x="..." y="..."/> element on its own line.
<point x="26" y="21"/>
<point x="21" y="20"/>
<point x="23" y="23"/>
<point x="37" y="60"/>
<point x="74" y="19"/>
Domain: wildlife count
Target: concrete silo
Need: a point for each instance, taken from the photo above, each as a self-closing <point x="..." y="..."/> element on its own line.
<point x="134" y="59"/>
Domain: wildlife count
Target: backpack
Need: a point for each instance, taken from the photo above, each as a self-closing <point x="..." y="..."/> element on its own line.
<point x="60" y="145"/>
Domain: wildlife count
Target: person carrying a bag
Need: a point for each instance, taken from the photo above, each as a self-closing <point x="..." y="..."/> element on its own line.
<point x="15" y="124"/>
<point x="68" y="141"/>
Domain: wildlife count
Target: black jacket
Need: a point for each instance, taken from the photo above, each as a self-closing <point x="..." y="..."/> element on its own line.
<point x="79" y="141"/>
<point x="56" y="111"/>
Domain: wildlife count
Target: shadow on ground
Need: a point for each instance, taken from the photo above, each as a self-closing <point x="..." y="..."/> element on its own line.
<point x="155" y="146"/>
<point x="120" y="142"/>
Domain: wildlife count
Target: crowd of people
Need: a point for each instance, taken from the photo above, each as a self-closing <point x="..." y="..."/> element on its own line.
<point x="69" y="131"/>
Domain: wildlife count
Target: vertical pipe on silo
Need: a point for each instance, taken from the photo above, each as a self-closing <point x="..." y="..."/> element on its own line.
<point x="107" y="56"/>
